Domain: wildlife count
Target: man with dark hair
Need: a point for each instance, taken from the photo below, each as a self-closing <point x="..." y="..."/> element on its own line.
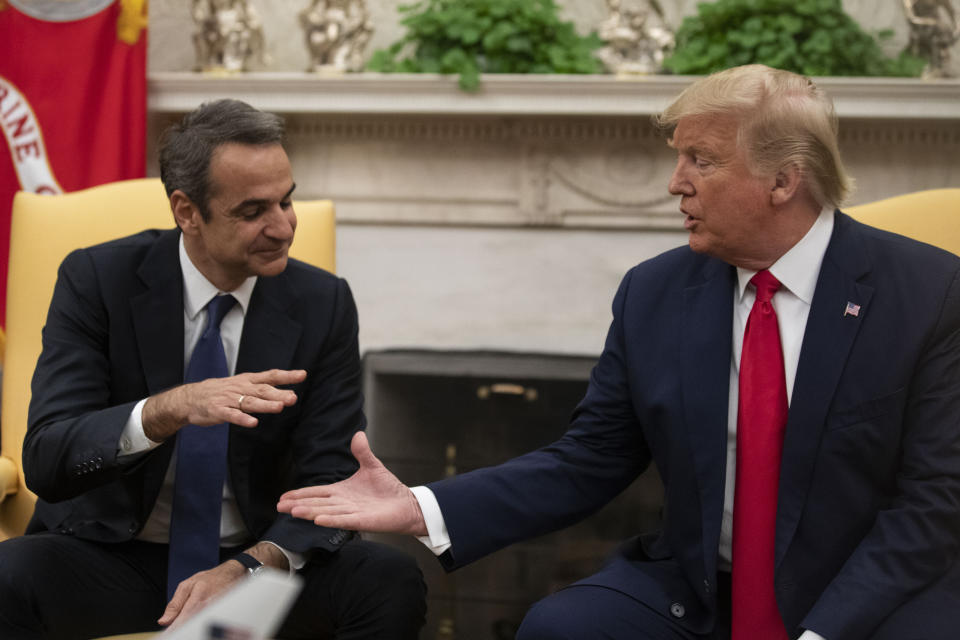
<point x="188" y="377"/>
<point x="793" y="374"/>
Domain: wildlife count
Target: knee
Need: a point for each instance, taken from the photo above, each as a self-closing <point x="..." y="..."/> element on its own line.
<point x="553" y="618"/>
<point x="17" y="571"/>
<point x="394" y="572"/>
<point x="387" y="585"/>
<point x="18" y="594"/>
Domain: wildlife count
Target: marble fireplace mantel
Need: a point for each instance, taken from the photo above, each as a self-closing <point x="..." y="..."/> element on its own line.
<point x="505" y="219"/>
<point x="599" y="95"/>
<point x="541" y="150"/>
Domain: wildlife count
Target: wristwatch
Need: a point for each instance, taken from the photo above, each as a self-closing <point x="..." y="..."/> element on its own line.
<point x="252" y="565"/>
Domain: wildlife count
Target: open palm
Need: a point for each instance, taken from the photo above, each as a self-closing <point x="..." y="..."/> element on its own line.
<point x="372" y="499"/>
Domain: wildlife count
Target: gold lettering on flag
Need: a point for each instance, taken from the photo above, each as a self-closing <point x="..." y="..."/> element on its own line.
<point x="25" y="140"/>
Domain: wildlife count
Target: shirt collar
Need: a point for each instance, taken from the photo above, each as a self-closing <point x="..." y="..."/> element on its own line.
<point x="799" y="268"/>
<point x="198" y="291"/>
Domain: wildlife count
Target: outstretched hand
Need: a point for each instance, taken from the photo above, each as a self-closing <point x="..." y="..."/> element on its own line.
<point x="372" y="499"/>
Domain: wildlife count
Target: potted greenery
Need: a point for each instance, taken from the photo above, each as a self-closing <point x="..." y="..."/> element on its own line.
<point x="470" y="37"/>
<point x="812" y="37"/>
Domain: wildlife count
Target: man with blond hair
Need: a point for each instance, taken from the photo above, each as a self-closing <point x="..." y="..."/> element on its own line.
<point x="793" y="374"/>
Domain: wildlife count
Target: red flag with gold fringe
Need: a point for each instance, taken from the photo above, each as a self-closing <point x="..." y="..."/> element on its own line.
<point x="72" y="99"/>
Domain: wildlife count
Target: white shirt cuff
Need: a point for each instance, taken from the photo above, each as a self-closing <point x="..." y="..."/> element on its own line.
<point x="132" y="439"/>
<point x="810" y="635"/>
<point x="437" y="538"/>
<point x="295" y="561"/>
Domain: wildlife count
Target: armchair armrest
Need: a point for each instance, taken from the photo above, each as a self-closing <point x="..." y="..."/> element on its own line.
<point x="9" y="478"/>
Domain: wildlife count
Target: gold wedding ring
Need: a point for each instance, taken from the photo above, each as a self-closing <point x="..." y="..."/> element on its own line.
<point x="240" y="403"/>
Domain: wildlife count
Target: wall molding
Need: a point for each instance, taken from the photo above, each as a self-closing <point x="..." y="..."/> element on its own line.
<point x="588" y="95"/>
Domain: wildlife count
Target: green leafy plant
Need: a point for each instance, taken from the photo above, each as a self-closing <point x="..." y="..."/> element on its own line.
<point x="812" y="37"/>
<point x="470" y="37"/>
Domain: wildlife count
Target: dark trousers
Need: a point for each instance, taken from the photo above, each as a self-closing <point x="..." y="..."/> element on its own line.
<point x="603" y="613"/>
<point x="60" y="587"/>
<point x="598" y="612"/>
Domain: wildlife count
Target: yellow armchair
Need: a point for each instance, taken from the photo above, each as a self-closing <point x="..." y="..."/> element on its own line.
<point x="44" y="230"/>
<point x="929" y="216"/>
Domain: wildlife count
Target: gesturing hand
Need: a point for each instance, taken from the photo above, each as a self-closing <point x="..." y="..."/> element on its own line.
<point x="372" y="499"/>
<point x="217" y="400"/>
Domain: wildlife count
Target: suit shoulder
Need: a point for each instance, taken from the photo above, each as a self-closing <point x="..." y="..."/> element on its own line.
<point x="307" y="277"/>
<point x="680" y="264"/>
<point x="304" y="270"/>
<point x="131" y="247"/>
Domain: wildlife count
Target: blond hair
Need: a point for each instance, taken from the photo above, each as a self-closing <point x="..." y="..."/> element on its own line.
<point x="784" y="120"/>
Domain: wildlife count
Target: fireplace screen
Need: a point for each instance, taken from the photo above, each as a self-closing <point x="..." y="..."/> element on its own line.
<point x="435" y="413"/>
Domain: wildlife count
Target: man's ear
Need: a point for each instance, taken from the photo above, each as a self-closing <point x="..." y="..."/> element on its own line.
<point x="786" y="184"/>
<point x="185" y="213"/>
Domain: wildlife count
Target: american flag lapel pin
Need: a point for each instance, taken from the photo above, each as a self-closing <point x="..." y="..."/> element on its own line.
<point x="851" y="310"/>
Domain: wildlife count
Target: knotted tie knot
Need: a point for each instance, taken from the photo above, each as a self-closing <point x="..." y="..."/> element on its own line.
<point x="766" y="285"/>
<point x="216" y="310"/>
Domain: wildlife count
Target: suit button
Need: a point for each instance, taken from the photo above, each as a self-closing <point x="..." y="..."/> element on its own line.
<point x="677" y="610"/>
<point x="133" y="527"/>
<point x="706" y="586"/>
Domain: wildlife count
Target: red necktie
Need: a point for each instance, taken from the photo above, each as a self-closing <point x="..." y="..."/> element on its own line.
<point x="761" y="421"/>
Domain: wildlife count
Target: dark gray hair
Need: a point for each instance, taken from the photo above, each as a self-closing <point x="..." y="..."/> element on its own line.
<point x="187" y="147"/>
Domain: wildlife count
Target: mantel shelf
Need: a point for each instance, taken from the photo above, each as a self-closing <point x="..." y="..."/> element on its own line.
<point x="557" y="95"/>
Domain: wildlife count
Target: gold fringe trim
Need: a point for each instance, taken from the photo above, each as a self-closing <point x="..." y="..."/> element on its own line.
<point x="132" y="20"/>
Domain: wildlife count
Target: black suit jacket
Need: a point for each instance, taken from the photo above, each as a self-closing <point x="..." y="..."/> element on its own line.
<point x="869" y="496"/>
<point x="114" y="335"/>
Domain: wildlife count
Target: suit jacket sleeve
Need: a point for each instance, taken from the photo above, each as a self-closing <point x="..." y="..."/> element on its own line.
<point x="74" y="423"/>
<point x="553" y="487"/>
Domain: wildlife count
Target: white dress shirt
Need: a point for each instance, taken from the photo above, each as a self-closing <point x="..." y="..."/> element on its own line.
<point x="197" y="292"/>
<point x="797" y="270"/>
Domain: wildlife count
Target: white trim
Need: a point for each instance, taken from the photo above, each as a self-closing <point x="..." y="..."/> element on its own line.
<point x="590" y="95"/>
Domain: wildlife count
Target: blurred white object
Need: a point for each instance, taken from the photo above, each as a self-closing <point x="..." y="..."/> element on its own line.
<point x="255" y="608"/>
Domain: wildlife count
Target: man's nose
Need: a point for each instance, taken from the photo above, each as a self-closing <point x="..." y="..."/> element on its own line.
<point x="679" y="185"/>
<point x="281" y="224"/>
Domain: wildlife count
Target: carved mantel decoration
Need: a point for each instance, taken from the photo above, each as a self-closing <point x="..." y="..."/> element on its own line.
<point x="549" y="151"/>
<point x="229" y="36"/>
<point x="336" y="32"/>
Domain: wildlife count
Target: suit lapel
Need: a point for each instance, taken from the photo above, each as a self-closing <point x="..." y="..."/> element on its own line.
<point x="827" y="341"/>
<point x="269" y="341"/>
<point x="270" y="332"/>
<point x="156" y="310"/>
<point x="706" y="338"/>
<point x="158" y="327"/>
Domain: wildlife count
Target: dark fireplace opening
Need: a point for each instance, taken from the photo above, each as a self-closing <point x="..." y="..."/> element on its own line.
<point x="435" y="413"/>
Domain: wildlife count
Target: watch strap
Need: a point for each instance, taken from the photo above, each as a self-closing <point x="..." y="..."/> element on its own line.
<point x="248" y="561"/>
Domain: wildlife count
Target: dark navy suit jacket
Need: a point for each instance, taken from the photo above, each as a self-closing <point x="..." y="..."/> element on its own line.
<point x="114" y="335"/>
<point x="869" y="495"/>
